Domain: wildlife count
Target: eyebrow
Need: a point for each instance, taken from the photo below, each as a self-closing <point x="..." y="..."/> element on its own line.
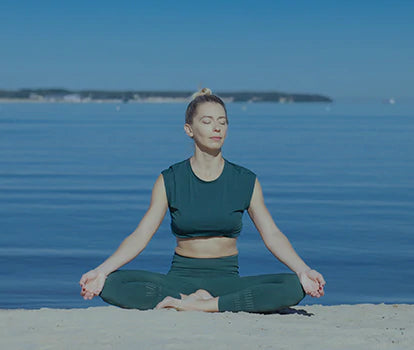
<point x="209" y="116"/>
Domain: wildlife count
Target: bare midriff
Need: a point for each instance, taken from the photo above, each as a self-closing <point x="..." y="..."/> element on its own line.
<point x="206" y="247"/>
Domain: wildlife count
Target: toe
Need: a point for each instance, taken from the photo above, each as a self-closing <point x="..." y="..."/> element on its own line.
<point x="166" y="303"/>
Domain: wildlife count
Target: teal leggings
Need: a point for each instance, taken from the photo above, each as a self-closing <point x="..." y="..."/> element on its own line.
<point x="137" y="289"/>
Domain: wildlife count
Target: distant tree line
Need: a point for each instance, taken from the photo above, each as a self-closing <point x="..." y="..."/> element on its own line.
<point x="142" y="95"/>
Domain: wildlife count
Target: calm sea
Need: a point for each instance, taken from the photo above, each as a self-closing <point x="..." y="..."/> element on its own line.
<point x="75" y="179"/>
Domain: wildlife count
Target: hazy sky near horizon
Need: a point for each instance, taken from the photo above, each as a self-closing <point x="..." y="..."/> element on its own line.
<point x="337" y="48"/>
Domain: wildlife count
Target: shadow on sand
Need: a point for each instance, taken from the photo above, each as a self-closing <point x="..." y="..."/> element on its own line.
<point x="289" y="311"/>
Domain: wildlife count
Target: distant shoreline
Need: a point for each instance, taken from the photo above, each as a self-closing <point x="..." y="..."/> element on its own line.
<point x="6" y="101"/>
<point x="102" y="96"/>
<point x="27" y="100"/>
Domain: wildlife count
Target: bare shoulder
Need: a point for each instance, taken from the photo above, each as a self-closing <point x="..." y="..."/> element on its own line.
<point x="159" y="196"/>
<point x="159" y="181"/>
<point x="257" y="205"/>
<point x="155" y="213"/>
<point x="257" y="196"/>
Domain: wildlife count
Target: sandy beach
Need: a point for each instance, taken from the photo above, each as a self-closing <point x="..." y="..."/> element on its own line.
<point x="364" y="326"/>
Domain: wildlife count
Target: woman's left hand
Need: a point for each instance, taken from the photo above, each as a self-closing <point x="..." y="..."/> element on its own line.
<point x="312" y="282"/>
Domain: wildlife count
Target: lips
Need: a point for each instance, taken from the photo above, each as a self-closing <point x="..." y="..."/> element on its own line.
<point x="217" y="138"/>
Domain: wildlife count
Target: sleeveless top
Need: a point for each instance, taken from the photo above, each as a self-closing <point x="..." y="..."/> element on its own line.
<point x="201" y="208"/>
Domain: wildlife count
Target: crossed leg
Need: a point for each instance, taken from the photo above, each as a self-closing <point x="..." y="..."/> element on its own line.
<point x="139" y="289"/>
<point x="263" y="293"/>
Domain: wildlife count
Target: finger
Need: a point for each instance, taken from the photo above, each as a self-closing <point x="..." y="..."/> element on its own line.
<point x="310" y="286"/>
<point x="83" y="280"/>
<point x="87" y="295"/>
<point x="314" y="286"/>
<point x="315" y="295"/>
<point x="307" y="290"/>
<point x="314" y="279"/>
<point x="313" y="289"/>
<point x="319" y="278"/>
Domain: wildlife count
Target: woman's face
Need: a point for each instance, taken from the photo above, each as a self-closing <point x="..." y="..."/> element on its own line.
<point x="209" y="127"/>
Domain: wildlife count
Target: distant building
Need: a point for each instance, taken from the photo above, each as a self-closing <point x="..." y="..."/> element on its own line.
<point x="36" y="97"/>
<point x="73" y="98"/>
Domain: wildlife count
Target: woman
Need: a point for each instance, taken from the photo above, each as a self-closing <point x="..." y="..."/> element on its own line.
<point x="206" y="196"/>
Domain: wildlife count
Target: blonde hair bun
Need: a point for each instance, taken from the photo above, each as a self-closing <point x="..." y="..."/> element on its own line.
<point x="201" y="92"/>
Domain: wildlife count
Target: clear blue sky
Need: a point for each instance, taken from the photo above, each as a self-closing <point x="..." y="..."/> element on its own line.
<point x="338" y="48"/>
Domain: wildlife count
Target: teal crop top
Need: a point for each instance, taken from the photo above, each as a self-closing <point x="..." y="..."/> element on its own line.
<point x="201" y="208"/>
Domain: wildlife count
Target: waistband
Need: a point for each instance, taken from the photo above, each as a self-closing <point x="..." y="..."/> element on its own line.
<point x="184" y="266"/>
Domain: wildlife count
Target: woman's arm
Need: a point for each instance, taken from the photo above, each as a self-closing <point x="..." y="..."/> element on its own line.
<point x="132" y="245"/>
<point x="278" y="244"/>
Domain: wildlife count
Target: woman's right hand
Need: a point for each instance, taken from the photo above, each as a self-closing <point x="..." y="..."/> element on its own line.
<point x="92" y="283"/>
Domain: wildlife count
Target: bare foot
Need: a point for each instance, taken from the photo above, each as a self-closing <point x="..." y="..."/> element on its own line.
<point x="200" y="293"/>
<point x="203" y="294"/>
<point x="201" y="300"/>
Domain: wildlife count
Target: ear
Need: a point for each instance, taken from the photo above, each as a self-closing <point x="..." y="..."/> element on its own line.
<point x="188" y="130"/>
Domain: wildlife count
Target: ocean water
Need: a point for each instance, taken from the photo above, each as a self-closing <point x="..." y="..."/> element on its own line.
<point x="75" y="179"/>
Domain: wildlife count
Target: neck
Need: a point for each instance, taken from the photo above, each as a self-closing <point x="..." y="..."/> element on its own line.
<point x="207" y="163"/>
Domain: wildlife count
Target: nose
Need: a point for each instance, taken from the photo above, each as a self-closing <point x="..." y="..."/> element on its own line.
<point x="216" y="127"/>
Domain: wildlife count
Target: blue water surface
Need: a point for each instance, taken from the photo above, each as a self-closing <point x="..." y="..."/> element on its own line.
<point x="75" y="180"/>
